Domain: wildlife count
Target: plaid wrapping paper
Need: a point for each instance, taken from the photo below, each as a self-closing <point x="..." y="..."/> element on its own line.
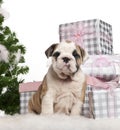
<point x="95" y="35"/>
<point x="106" y="103"/>
<point x="24" y="98"/>
<point x="26" y="91"/>
<point x="105" y="67"/>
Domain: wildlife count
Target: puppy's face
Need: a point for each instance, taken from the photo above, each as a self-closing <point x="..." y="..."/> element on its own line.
<point x="66" y="58"/>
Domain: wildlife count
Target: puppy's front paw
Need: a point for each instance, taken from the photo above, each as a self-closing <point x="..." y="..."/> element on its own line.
<point x="76" y="109"/>
<point x="46" y="112"/>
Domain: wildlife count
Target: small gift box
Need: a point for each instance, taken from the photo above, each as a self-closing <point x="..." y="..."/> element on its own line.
<point x="95" y="35"/>
<point x="106" y="67"/>
<point x="26" y="91"/>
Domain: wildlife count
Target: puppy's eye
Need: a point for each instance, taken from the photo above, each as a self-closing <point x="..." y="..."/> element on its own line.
<point x="75" y="54"/>
<point x="56" y="54"/>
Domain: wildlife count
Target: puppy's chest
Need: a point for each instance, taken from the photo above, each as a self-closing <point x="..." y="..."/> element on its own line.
<point x="68" y="91"/>
<point x="67" y="94"/>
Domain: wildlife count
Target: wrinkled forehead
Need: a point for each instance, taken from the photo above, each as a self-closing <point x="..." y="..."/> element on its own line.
<point x="66" y="47"/>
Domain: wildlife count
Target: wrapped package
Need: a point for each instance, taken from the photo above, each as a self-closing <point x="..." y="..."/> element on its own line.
<point x="94" y="35"/>
<point x="106" y="67"/>
<point x="26" y="90"/>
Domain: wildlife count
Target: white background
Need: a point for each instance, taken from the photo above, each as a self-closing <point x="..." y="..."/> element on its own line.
<point x="36" y="25"/>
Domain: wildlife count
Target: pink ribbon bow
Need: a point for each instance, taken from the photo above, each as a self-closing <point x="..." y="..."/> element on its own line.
<point x="101" y="62"/>
<point x="78" y="33"/>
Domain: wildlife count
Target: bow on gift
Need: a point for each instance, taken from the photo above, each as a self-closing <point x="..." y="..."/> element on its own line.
<point x="104" y="62"/>
<point x="101" y="62"/>
<point x="76" y="32"/>
<point x="97" y="83"/>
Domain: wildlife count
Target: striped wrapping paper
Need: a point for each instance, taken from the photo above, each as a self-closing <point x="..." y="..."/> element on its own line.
<point x="94" y="35"/>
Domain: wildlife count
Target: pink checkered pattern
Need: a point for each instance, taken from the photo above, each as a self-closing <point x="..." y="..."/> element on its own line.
<point x="26" y="91"/>
<point x="94" y="35"/>
<point x="106" y="104"/>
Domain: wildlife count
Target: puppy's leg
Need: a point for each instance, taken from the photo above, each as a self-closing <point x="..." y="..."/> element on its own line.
<point x="76" y="109"/>
<point x="47" y="104"/>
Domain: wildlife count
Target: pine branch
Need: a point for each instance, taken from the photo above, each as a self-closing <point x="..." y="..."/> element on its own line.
<point x="11" y="55"/>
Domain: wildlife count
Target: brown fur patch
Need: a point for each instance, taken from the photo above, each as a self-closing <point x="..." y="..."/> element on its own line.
<point x="82" y="97"/>
<point x="81" y="52"/>
<point x="34" y="104"/>
<point x="79" y="61"/>
<point x="50" y="50"/>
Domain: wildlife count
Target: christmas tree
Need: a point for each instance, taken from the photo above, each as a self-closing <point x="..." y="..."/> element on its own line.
<point x="11" y="67"/>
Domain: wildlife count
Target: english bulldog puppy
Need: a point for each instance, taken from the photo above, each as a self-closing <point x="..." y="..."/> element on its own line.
<point x="63" y="87"/>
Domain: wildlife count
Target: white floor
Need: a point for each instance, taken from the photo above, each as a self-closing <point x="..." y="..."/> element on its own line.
<point x="56" y="122"/>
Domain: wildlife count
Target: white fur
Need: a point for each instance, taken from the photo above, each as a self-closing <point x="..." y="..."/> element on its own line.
<point x="65" y="50"/>
<point x="65" y="92"/>
<point x="56" y="122"/>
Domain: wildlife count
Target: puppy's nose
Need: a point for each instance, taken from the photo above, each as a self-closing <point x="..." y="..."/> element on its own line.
<point x="66" y="59"/>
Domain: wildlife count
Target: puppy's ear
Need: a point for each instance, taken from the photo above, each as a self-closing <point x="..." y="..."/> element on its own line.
<point x="50" y="50"/>
<point x="84" y="54"/>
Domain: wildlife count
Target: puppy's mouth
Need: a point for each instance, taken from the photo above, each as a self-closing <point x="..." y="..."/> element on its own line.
<point x="65" y="76"/>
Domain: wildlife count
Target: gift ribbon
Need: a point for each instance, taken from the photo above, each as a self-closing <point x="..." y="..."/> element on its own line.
<point x="110" y="86"/>
<point x="79" y="32"/>
<point x="97" y="83"/>
<point x="111" y="107"/>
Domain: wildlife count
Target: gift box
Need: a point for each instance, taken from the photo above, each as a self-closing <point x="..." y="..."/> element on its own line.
<point x="26" y="90"/>
<point x="106" y="103"/>
<point x="94" y="35"/>
<point x="102" y="98"/>
<point x="101" y="103"/>
<point x="106" y="67"/>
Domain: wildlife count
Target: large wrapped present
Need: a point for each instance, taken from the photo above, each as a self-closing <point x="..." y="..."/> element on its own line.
<point x="94" y="35"/>
<point x="102" y="98"/>
<point x="106" y="103"/>
<point x="26" y="91"/>
<point x="105" y="67"/>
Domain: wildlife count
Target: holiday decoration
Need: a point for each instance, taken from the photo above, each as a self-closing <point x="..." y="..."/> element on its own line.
<point x="11" y="54"/>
